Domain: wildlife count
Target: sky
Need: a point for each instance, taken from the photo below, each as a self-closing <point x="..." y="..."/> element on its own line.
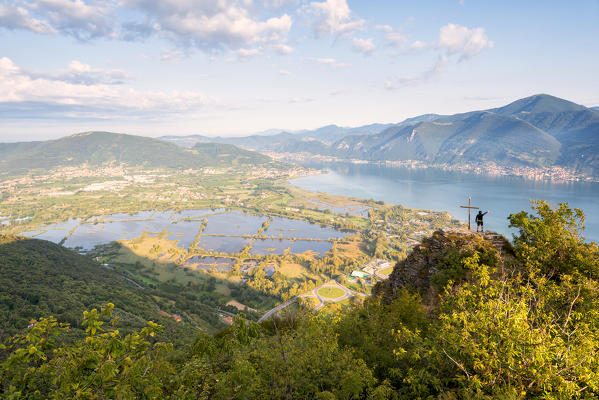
<point x="235" y="67"/>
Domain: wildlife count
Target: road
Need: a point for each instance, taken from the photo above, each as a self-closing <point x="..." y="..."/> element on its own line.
<point x="314" y="294"/>
<point x="269" y="313"/>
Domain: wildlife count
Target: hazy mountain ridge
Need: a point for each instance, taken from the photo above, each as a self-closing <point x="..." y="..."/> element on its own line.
<point x="537" y="131"/>
<point x="282" y="140"/>
<point x="97" y="148"/>
<point x="472" y="137"/>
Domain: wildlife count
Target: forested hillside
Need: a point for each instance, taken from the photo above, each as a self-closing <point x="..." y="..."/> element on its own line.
<point x="100" y="148"/>
<point x="39" y="278"/>
<point x="485" y="320"/>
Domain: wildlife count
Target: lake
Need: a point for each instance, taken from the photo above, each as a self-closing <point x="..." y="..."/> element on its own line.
<point x="435" y="189"/>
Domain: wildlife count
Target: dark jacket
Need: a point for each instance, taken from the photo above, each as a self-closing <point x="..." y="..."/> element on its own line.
<point x="480" y="215"/>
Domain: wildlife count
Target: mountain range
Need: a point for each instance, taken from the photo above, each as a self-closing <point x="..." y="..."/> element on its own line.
<point x="97" y="148"/>
<point x="537" y="131"/>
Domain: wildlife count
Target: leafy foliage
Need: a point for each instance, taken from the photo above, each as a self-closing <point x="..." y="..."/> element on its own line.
<point x="40" y="278"/>
<point x="523" y="326"/>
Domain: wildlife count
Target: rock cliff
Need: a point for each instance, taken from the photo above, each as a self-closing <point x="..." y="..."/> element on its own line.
<point x="437" y="259"/>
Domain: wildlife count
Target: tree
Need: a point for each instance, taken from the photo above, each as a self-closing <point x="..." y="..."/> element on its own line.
<point x="103" y="365"/>
<point x="551" y="242"/>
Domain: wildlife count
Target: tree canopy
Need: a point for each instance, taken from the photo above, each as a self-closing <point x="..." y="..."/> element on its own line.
<point x="522" y="325"/>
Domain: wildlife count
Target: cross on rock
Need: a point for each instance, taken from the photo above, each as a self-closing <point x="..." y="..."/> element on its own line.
<point x="469" y="207"/>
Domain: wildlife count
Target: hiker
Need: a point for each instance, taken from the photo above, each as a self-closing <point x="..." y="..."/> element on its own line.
<point x="479" y="220"/>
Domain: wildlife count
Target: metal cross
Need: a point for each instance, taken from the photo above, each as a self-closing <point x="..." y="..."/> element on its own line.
<point x="469" y="207"/>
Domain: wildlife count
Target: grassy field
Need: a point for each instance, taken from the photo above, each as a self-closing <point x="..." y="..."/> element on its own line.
<point x="330" y="292"/>
<point x="387" y="271"/>
<point x="352" y="247"/>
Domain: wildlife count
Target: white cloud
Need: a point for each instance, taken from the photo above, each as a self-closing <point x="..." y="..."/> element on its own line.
<point x="301" y="100"/>
<point x="394" y="37"/>
<point x="75" y="17"/>
<point x="13" y="17"/>
<point x="365" y="46"/>
<point x="333" y="17"/>
<point x="332" y="62"/>
<point x="48" y="96"/>
<point x="385" y="28"/>
<point x="209" y="25"/>
<point x="282" y="48"/>
<point x="248" y="52"/>
<point x="426" y="76"/>
<point x="463" y="41"/>
<point x="418" y="45"/>
<point x="284" y="72"/>
<point x="82" y="74"/>
<point x="280" y="3"/>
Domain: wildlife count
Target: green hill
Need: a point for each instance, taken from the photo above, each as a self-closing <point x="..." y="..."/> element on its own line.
<point x="97" y="148"/>
<point x="39" y="278"/>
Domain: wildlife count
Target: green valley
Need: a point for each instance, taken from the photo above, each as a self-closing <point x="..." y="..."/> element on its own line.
<point x="224" y="227"/>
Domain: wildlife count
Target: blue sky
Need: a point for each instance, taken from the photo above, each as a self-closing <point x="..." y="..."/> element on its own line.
<point x="226" y="67"/>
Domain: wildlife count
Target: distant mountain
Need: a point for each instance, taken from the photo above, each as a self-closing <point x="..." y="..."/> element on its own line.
<point x="227" y="154"/>
<point x="39" y="278"/>
<point x="96" y="148"/>
<point x="332" y="133"/>
<point x="274" y="140"/>
<point x="576" y="128"/>
<point x="477" y="136"/>
<point x="538" y="131"/>
<point x="595" y="108"/>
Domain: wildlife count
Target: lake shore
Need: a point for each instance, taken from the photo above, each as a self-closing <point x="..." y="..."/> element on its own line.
<point x="555" y="174"/>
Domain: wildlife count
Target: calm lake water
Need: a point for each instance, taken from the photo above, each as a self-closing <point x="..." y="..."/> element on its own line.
<point x="443" y="190"/>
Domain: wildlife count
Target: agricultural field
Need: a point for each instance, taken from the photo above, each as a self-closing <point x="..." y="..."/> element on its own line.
<point x="230" y="233"/>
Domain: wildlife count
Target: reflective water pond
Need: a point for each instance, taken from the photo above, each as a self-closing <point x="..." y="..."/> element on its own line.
<point x="234" y="223"/>
<point x="194" y="214"/>
<point x="301" y="246"/>
<point x="184" y="231"/>
<point x="184" y="226"/>
<point x="223" y="244"/>
<point x="270" y="246"/>
<point x="292" y="228"/>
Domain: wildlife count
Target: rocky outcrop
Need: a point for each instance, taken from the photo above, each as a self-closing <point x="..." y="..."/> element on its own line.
<point x="441" y="251"/>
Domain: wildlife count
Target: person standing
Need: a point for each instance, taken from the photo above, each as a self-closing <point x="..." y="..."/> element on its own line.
<point x="479" y="220"/>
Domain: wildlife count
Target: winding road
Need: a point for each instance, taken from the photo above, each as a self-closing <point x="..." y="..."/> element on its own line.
<point x="314" y="294"/>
